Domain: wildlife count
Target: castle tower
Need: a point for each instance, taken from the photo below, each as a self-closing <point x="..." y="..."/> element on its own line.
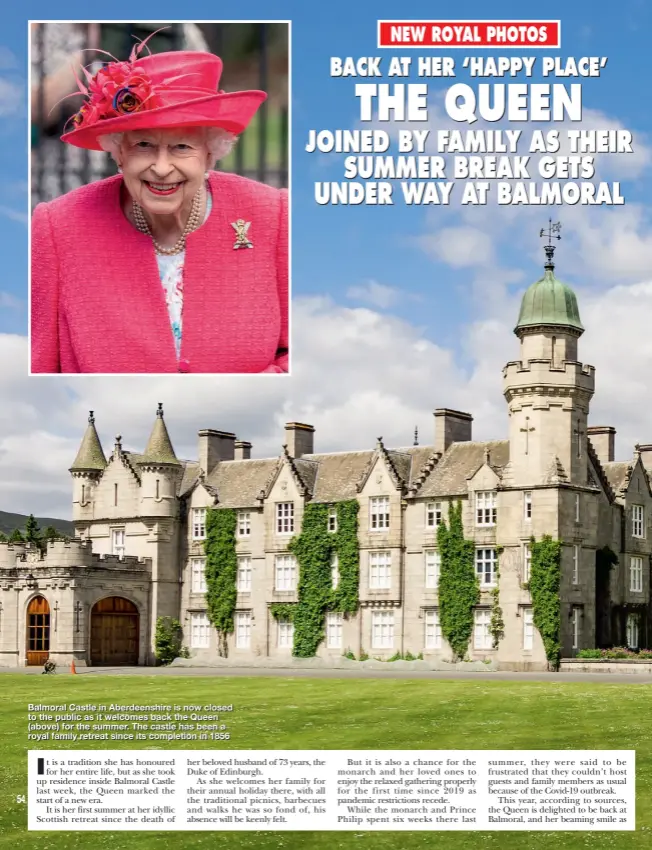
<point x="548" y="390"/>
<point x="86" y="472"/>
<point x="159" y="470"/>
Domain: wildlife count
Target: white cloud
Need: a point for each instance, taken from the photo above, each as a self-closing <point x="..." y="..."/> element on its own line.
<point x="14" y="215"/>
<point x="8" y="60"/>
<point x="459" y="247"/>
<point x="12" y="97"/>
<point x="376" y="294"/>
<point x="358" y="374"/>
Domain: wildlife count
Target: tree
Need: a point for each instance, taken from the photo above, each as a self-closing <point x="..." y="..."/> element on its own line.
<point x="32" y="531"/>
<point x="16" y="536"/>
<point x="3" y="537"/>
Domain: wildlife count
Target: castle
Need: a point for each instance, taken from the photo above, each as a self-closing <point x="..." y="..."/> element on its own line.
<point x="140" y="522"/>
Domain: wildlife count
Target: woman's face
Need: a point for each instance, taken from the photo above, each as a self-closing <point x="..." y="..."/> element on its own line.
<point x="163" y="169"/>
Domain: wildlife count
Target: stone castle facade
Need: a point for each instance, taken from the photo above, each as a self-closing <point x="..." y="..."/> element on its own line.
<point x="140" y="525"/>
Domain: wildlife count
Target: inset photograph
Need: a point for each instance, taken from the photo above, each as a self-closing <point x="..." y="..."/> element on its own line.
<point x="159" y="183"/>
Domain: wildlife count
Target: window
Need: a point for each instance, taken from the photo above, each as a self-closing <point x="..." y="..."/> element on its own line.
<point x="528" y="629"/>
<point x="433" y="565"/>
<point x="485" y="565"/>
<point x="485" y="508"/>
<point x="379" y="513"/>
<point x="243" y="629"/>
<point x="285" y="573"/>
<point x="285" y="634"/>
<point x="115" y="495"/>
<point x="199" y="630"/>
<point x="244" y="574"/>
<point x="244" y="523"/>
<point x="433" y="630"/>
<point x="433" y="514"/>
<point x="118" y="542"/>
<point x="335" y="570"/>
<point x="83" y="494"/>
<point x="158" y="489"/>
<point x="636" y="574"/>
<point x="632" y="631"/>
<point x="380" y="570"/>
<point x="577" y="507"/>
<point x="576" y="564"/>
<point x="382" y="630"/>
<point x="285" y="518"/>
<point x="198" y="575"/>
<point x="199" y="523"/>
<point x="334" y="624"/>
<point x="332" y="520"/>
<point x="527" y="562"/>
<point x="638" y="525"/>
<point x="527" y="506"/>
<point x="482" y="638"/>
<point x="576" y="627"/>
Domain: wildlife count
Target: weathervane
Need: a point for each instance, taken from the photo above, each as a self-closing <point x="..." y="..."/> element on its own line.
<point x="552" y="233"/>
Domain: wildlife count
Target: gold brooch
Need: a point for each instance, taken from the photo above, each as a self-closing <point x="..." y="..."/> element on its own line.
<point x="241" y="228"/>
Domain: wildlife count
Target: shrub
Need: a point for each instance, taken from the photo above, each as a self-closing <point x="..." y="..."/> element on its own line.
<point x="167" y="640"/>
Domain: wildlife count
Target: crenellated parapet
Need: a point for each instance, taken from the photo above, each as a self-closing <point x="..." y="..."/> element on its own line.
<point x="123" y="563"/>
<point x="10" y="553"/>
<point x="570" y="379"/>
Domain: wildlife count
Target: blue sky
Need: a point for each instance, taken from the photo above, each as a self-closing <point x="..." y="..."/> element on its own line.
<point x="442" y="321"/>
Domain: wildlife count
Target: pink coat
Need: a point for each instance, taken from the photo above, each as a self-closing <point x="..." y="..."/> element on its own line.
<point x="97" y="303"/>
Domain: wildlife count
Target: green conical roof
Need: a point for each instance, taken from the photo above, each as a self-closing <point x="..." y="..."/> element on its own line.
<point x="159" y="446"/>
<point x="549" y="302"/>
<point x="90" y="455"/>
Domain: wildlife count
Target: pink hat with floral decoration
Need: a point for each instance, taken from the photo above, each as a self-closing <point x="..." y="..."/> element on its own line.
<point x="159" y="91"/>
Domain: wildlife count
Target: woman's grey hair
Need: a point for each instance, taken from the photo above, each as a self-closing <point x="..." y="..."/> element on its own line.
<point x="219" y="143"/>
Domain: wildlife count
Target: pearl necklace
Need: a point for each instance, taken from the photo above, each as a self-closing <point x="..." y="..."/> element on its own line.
<point x="192" y="224"/>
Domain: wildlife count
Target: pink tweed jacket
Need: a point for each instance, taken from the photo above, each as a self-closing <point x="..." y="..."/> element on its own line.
<point x="97" y="304"/>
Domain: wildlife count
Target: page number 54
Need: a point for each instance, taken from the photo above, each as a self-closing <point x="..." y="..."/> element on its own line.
<point x="20" y="798"/>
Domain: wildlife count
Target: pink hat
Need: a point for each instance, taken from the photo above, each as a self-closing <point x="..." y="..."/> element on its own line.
<point x="164" y="90"/>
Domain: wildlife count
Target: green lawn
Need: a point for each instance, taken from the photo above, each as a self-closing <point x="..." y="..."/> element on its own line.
<point x="276" y="713"/>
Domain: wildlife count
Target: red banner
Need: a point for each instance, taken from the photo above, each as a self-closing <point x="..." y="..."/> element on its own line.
<point x="469" y="34"/>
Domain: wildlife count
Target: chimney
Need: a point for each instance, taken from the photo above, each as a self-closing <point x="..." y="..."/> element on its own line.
<point x="242" y="450"/>
<point x="646" y="455"/>
<point x="451" y="426"/>
<point x="299" y="438"/>
<point x="603" y="440"/>
<point x="214" y="446"/>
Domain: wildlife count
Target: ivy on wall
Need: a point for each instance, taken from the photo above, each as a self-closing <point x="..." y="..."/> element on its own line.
<point x="497" y="623"/>
<point x="283" y="611"/>
<point x="345" y="598"/>
<point x="459" y="589"/>
<point x="545" y="580"/>
<point x="221" y="572"/>
<point x="313" y="549"/>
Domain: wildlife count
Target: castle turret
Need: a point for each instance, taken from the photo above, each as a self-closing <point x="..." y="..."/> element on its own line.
<point x="160" y="470"/>
<point x="86" y="472"/>
<point x="548" y="390"/>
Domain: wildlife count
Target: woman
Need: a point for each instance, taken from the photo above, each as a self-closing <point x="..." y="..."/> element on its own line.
<point x="169" y="266"/>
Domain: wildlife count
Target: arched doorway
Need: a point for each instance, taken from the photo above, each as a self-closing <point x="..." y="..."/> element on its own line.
<point x="114" y="632"/>
<point x="38" y="631"/>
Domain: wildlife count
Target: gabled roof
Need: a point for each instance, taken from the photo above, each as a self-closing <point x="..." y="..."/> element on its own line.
<point x="459" y="461"/>
<point x="396" y="463"/>
<point x="239" y="482"/>
<point x="90" y="457"/>
<point x="601" y="470"/>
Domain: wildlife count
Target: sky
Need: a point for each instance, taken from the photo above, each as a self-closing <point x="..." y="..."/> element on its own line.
<point x="396" y="310"/>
